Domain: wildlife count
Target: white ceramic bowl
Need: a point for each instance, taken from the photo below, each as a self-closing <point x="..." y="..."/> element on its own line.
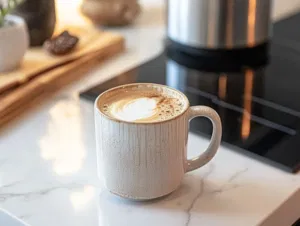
<point x="14" y="41"/>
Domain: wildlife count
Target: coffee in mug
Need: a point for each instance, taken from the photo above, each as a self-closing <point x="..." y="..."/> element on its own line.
<point x="142" y="105"/>
<point x="141" y="136"/>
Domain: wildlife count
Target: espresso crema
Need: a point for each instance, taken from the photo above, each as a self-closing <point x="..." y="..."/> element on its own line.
<point x="139" y="104"/>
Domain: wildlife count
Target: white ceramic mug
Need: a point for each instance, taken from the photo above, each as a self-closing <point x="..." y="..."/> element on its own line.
<point x="14" y="42"/>
<point x="148" y="160"/>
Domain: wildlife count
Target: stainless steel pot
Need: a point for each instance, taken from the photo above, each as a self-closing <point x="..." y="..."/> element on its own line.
<point x="219" y="24"/>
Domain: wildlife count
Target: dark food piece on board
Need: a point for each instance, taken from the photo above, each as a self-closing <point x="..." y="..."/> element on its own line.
<point x="61" y="44"/>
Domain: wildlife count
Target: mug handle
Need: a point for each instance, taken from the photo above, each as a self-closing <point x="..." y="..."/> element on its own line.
<point x="212" y="115"/>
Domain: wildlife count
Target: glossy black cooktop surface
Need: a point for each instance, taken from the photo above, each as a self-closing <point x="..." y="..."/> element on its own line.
<point x="259" y="107"/>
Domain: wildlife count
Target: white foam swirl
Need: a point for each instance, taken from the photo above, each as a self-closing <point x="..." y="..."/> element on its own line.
<point x="134" y="109"/>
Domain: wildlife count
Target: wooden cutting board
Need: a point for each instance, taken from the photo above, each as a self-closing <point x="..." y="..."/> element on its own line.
<point x="40" y="74"/>
<point x="38" y="61"/>
<point x="42" y="80"/>
<point x="32" y="93"/>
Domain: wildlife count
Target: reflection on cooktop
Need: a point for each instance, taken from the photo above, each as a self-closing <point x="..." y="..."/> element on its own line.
<point x="259" y="113"/>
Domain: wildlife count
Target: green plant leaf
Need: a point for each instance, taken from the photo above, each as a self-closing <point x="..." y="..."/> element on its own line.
<point x="4" y="10"/>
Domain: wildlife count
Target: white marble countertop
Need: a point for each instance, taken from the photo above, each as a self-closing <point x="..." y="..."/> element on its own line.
<point x="48" y="163"/>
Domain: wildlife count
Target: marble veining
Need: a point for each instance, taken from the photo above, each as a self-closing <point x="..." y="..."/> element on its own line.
<point x="25" y="216"/>
<point x="10" y="184"/>
<point x="32" y="194"/>
<point x="230" y="183"/>
<point x="200" y="192"/>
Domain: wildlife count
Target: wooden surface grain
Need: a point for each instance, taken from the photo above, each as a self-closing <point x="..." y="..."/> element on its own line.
<point x="13" y="101"/>
<point x="38" y="61"/>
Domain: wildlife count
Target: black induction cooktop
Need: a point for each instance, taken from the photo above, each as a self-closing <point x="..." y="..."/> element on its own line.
<point x="259" y="106"/>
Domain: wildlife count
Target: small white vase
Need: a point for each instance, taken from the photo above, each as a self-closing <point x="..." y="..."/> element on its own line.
<point x="14" y="41"/>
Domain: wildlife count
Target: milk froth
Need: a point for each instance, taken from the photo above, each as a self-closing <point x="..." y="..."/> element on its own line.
<point x="142" y="105"/>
